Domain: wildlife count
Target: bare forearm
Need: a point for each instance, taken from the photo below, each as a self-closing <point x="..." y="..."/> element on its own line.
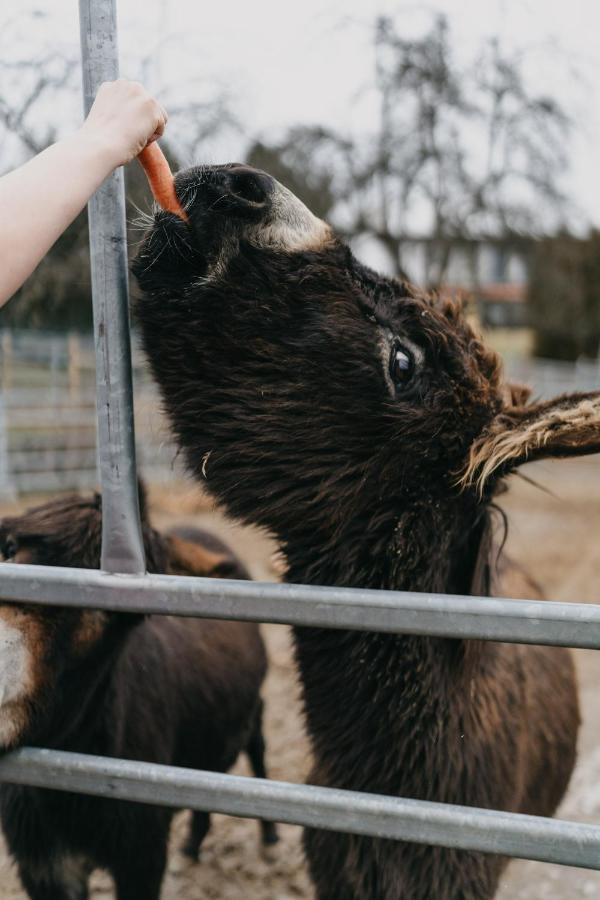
<point x="40" y="199"/>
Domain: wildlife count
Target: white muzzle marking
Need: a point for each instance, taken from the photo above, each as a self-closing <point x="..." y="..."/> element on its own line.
<point x="291" y="226"/>
<point x="14" y="679"/>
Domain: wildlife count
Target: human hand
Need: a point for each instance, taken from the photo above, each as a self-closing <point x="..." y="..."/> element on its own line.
<point x="124" y="118"/>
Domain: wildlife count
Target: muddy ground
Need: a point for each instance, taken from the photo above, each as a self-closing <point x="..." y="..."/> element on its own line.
<point x="556" y="536"/>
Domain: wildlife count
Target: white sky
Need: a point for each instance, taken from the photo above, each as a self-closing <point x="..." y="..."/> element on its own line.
<point x="284" y="62"/>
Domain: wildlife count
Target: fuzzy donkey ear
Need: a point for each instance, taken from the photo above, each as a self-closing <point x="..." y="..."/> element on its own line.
<point x="566" y="426"/>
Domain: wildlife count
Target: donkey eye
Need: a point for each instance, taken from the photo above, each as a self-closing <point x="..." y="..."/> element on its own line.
<point x="402" y="365"/>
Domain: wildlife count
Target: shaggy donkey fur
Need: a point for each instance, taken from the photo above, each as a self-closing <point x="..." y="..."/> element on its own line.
<point x="165" y="690"/>
<point x="366" y="425"/>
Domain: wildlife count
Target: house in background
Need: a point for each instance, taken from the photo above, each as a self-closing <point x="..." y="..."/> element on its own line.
<point x="500" y="290"/>
<point x="493" y="274"/>
<point x="502" y="305"/>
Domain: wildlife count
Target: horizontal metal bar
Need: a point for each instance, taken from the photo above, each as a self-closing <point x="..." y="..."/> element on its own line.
<point x="444" y="615"/>
<point x="490" y="831"/>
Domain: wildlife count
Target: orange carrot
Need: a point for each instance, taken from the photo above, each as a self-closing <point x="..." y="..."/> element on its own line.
<point x="161" y="180"/>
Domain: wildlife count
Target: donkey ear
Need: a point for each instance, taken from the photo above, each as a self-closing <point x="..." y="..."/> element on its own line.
<point x="566" y="426"/>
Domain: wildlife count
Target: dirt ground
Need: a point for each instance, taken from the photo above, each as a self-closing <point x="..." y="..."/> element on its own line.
<point x="556" y="537"/>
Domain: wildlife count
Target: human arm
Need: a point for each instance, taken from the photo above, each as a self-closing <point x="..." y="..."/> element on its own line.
<point x="42" y="197"/>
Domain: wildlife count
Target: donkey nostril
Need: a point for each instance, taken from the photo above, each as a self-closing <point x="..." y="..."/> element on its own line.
<point x="253" y="187"/>
<point x="237" y="190"/>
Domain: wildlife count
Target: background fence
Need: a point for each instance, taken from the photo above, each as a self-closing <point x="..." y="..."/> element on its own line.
<point x="48" y="422"/>
<point x="48" y="411"/>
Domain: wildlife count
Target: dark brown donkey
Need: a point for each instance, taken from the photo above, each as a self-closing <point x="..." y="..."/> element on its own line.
<point x="367" y="426"/>
<point x="160" y="689"/>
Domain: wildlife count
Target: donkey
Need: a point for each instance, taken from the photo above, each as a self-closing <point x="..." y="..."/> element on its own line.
<point x="366" y="425"/>
<point x="159" y="689"/>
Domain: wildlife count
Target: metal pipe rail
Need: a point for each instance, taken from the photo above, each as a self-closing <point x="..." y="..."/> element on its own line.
<point x="441" y="615"/>
<point x="420" y="821"/>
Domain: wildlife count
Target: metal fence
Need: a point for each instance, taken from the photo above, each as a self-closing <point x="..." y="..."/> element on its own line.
<point x="122" y="585"/>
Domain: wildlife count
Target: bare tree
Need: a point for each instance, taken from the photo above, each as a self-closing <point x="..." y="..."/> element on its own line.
<point x="468" y="151"/>
<point x="29" y="88"/>
<point x="473" y="148"/>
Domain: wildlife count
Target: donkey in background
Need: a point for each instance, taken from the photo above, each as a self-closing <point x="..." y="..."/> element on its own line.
<point x="156" y="688"/>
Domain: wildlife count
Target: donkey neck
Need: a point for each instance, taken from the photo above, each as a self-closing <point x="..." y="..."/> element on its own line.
<point x="428" y="546"/>
<point x="375" y="703"/>
<point x="84" y="692"/>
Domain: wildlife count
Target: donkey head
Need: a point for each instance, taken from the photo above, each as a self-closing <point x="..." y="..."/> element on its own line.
<point x="313" y="394"/>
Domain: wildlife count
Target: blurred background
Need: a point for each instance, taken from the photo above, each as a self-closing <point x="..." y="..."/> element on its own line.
<point x="453" y="143"/>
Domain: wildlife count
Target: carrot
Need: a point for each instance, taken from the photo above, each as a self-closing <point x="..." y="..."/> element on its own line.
<point x="160" y="178"/>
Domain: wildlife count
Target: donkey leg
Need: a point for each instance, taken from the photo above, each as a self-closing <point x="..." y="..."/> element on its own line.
<point x="256" y="754"/>
<point x="138" y="871"/>
<point x="141" y="880"/>
<point x="199" y="827"/>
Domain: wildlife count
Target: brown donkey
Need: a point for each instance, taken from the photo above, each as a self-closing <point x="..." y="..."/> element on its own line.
<point x="368" y="428"/>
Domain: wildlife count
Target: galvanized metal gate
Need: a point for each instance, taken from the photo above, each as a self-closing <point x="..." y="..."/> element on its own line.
<point x="122" y="585"/>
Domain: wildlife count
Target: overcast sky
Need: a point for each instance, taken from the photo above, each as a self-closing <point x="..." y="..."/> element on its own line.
<point x="283" y="62"/>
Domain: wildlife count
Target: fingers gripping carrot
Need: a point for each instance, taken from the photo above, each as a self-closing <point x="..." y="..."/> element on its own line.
<point x="161" y="180"/>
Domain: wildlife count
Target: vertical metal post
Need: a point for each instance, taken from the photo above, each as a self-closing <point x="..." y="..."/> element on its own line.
<point x="122" y="545"/>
